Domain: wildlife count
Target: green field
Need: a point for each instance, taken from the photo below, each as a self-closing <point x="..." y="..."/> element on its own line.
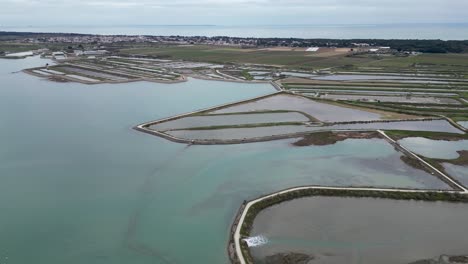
<point x="224" y="55"/>
<point x="15" y="47"/>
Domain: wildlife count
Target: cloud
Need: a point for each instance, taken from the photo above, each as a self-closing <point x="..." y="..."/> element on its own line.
<point x="19" y="12"/>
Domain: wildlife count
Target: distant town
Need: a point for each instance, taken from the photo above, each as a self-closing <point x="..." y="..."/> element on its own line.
<point x="426" y="46"/>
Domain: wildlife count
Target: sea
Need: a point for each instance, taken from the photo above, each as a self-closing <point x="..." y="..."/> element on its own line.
<point x="444" y="31"/>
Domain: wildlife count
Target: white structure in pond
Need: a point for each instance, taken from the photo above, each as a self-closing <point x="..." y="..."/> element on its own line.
<point x="59" y="55"/>
<point x="20" y="54"/>
<point x="256" y="241"/>
<point x="312" y="49"/>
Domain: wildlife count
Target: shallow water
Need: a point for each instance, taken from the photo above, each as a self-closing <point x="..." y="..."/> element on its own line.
<point x="396" y="99"/>
<point x="370" y="92"/>
<point x="321" y="111"/>
<point x="436" y="149"/>
<point x="434" y="126"/>
<point x="362" y="230"/>
<point x="78" y="185"/>
<point x="353" y="77"/>
<point x="238" y="133"/>
<point x="224" y="120"/>
<point x="464" y="124"/>
<point x="258" y="132"/>
<point x="458" y="172"/>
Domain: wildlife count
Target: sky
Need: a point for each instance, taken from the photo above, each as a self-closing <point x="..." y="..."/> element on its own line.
<point x="229" y="12"/>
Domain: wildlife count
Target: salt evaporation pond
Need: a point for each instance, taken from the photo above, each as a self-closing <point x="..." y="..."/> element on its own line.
<point x="397" y="99"/>
<point x="464" y="124"/>
<point x="225" y="120"/>
<point x="436" y="149"/>
<point x="353" y="77"/>
<point x="432" y="125"/>
<point x="366" y="92"/>
<point x="78" y="185"/>
<point x="362" y="230"/>
<point x="458" y="172"/>
<point x="287" y="130"/>
<point x="440" y="149"/>
<point x="321" y="111"/>
<point x="238" y="133"/>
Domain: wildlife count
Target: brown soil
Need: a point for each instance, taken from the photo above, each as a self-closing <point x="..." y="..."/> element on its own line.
<point x="329" y="138"/>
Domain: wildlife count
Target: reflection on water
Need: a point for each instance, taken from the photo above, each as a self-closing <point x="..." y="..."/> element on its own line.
<point x="436" y="149"/>
<point x="229" y="120"/>
<point x="464" y="124"/>
<point x="321" y="111"/>
<point x="78" y="185"/>
<point x="362" y="230"/>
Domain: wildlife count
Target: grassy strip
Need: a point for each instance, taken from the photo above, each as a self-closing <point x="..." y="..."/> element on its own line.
<point x="457" y="118"/>
<point x="386" y="112"/>
<point x="390" y="109"/>
<point x="280" y="198"/>
<point x="102" y="71"/>
<point x="385" y="91"/>
<point x="376" y="85"/>
<point x="400" y="134"/>
<point x="415" y="163"/>
<point x="66" y="72"/>
<point x="241" y="126"/>
<point x="251" y="113"/>
<point x="311" y="118"/>
<point x="247" y="75"/>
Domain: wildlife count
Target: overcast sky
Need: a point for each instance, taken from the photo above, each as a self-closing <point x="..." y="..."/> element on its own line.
<point x="229" y="12"/>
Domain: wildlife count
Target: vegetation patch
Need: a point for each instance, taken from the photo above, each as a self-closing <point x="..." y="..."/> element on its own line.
<point x="247" y="75"/>
<point x="329" y="138"/>
<point x="415" y="163"/>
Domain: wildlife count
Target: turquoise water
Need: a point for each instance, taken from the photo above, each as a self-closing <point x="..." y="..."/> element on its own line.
<point x="78" y="185"/>
<point x="362" y="230"/>
<point x="436" y="149"/>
